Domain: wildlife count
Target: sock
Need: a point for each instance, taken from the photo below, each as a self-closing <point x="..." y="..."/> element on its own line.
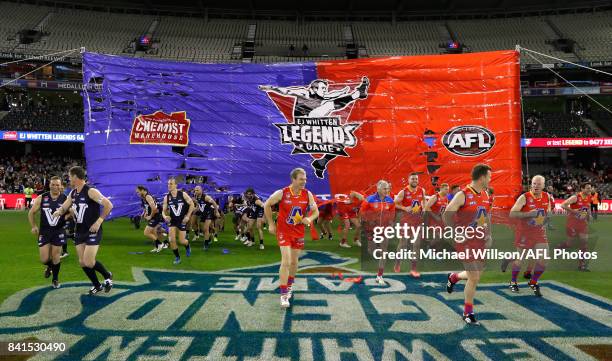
<point x="413" y="264"/>
<point x="283" y="290"/>
<point x="187" y="245"/>
<point x="166" y="241"/>
<point x="343" y="240"/>
<point x="91" y="274"/>
<point x="515" y="271"/>
<point x="290" y="281"/>
<point x="454" y="278"/>
<point x="102" y="270"/>
<point x="468" y="308"/>
<point x="157" y="243"/>
<point x="176" y="254"/>
<point x="380" y="271"/>
<point x="64" y="248"/>
<point x="56" y="269"/>
<point x="538" y="270"/>
<point x="261" y="241"/>
<point x="49" y="263"/>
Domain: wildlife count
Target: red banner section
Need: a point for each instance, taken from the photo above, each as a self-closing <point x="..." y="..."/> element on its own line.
<point x="437" y="115"/>
<point x="566" y="142"/>
<point x="13" y="200"/>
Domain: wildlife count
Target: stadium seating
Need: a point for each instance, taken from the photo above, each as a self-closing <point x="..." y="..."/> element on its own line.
<point x="49" y="119"/>
<point x="556" y="125"/>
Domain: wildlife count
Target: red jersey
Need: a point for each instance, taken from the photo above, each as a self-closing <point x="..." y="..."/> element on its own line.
<point x="414" y="201"/>
<point x="291" y="209"/>
<point x="348" y="206"/>
<point x="476" y="208"/>
<point x="440" y="204"/>
<point x="583" y="204"/>
<point x="531" y="231"/>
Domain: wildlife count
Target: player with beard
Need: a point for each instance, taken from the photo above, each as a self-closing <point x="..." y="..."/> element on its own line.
<point x="208" y="211"/>
<point x="578" y="208"/>
<point x="294" y="202"/>
<point x="471" y="207"/>
<point x="409" y="201"/>
<point x="151" y="212"/>
<point x="51" y="234"/>
<point x="180" y="207"/>
<point x="84" y="203"/>
<point x="434" y="207"/>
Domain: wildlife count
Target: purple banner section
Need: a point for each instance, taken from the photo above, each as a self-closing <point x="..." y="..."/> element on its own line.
<point x="232" y="142"/>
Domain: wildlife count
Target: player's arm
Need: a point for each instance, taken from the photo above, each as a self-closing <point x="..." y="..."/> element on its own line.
<point x="357" y="195"/>
<point x="452" y="208"/>
<point x="259" y="203"/>
<point x="314" y="210"/>
<point x="153" y="207"/>
<point x="515" y="211"/>
<point x="427" y="208"/>
<point x="35" y="208"/>
<point x="210" y="199"/>
<point x="568" y="202"/>
<point x="275" y="198"/>
<point x="295" y="91"/>
<point x="64" y="208"/>
<point x="104" y="202"/>
<point x="165" y="209"/>
<point x="398" y="201"/>
<point x="190" y="211"/>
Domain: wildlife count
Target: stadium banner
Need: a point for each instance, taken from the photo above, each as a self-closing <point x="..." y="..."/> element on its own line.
<point x="349" y="123"/>
<point x="41" y="136"/>
<point x="604" y="206"/>
<point x="45" y="84"/>
<point x="566" y="142"/>
<point x="11" y="200"/>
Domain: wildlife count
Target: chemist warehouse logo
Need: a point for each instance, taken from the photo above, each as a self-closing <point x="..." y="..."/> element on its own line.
<point x="235" y="315"/>
<point x="317" y="118"/>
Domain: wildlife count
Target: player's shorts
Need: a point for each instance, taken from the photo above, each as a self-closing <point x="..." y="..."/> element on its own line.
<point x="573" y="228"/>
<point x="259" y="212"/>
<point x="251" y="213"/>
<point x="347" y="215"/>
<point x="57" y="238"/>
<point x="208" y="214"/>
<point x="326" y="213"/>
<point x="528" y="239"/>
<point x="89" y="239"/>
<point x="178" y="223"/>
<point x="469" y="246"/>
<point x="153" y="222"/>
<point x="291" y="241"/>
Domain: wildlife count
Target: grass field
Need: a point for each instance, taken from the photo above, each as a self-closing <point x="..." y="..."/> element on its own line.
<point x="124" y="247"/>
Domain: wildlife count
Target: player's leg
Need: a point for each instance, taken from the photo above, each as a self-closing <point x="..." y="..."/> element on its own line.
<point x="416" y="246"/>
<point x="250" y="232"/>
<point x="283" y="273"/>
<point x="172" y="234"/>
<point x="182" y="239"/>
<point x="293" y="267"/>
<point x="345" y="222"/>
<point x="89" y="255"/>
<point x="56" y="254"/>
<point x="151" y="233"/>
<point x="205" y="227"/>
<point x="516" y="269"/>
<point x="584" y="247"/>
<point x="539" y="267"/>
<point x="327" y="225"/>
<point x="87" y="267"/>
<point x="357" y="236"/>
<point x="260" y="227"/>
<point x="473" y="277"/>
<point x="44" y="252"/>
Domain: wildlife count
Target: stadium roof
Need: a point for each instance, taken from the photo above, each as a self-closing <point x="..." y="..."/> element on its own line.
<point x="311" y="9"/>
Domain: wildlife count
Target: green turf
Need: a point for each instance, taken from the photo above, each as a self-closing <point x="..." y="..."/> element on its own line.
<point x="21" y="268"/>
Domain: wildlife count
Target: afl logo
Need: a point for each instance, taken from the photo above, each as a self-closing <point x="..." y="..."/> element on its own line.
<point x="468" y="140"/>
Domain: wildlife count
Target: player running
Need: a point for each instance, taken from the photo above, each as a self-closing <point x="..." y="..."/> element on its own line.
<point x="410" y="202"/>
<point x="433" y="209"/>
<point x="84" y="202"/>
<point x="378" y="210"/>
<point x="326" y="216"/>
<point x="531" y="209"/>
<point x="578" y="209"/>
<point x="472" y="208"/>
<point x="347" y="209"/>
<point x="152" y="214"/>
<point x="207" y="210"/>
<point x="177" y="210"/>
<point x="255" y="217"/>
<point x="294" y="203"/>
<point x="51" y="234"/>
